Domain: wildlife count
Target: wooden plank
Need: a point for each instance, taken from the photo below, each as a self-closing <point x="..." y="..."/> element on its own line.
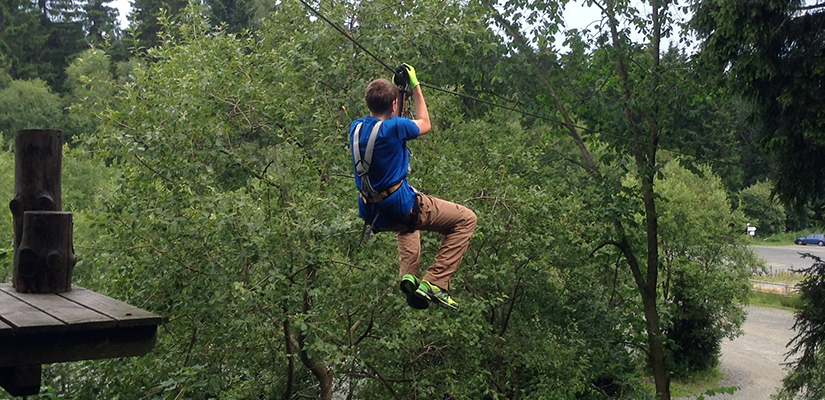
<point x="24" y="318"/>
<point x="125" y="314"/>
<point x="75" y="316"/>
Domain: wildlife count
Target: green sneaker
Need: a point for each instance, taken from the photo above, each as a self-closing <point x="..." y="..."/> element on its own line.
<point x="409" y="285"/>
<point x="436" y="294"/>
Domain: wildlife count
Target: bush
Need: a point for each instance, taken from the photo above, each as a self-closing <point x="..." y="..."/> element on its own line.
<point x="695" y="342"/>
<point x="28" y="105"/>
<point x="762" y="209"/>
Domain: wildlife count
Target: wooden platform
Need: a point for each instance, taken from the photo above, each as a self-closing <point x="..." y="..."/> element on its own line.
<point x="38" y="329"/>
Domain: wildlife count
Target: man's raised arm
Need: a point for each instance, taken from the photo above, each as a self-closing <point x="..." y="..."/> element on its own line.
<point x="422" y="117"/>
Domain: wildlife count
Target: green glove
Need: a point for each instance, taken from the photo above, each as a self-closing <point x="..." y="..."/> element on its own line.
<point x="411" y="72"/>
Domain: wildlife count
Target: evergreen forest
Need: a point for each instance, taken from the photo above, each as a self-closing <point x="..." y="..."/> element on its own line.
<point x="613" y="168"/>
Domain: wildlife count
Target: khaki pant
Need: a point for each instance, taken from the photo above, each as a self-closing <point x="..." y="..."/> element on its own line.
<point x="454" y="221"/>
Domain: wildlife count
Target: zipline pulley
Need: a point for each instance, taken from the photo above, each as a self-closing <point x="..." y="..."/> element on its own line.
<point x="402" y="79"/>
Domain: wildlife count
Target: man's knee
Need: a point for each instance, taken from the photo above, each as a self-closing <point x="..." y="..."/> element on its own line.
<point x="470" y="218"/>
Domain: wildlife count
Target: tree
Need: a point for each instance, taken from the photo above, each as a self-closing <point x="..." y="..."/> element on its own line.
<point x="39" y="39"/>
<point x="238" y="15"/>
<point x="705" y="275"/>
<point x="61" y="22"/>
<point x="100" y="21"/>
<point x="638" y="111"/>
<point x="762" y="209"/>
<point x="237" y="193"/>
<point x="144" y="19"/>
<point x="28" y="105"/>
<point x="770" y="53"/>
<point x="5" y="79"/>
<point x="804" y="381"/>
<point x="22" y="37"/>
<point x="234" y="218"/>
<point x="90" y="88"/>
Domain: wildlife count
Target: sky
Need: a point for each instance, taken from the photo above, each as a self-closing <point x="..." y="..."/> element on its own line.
<point x="124" y="7"/>
<point x="576" y="16"/>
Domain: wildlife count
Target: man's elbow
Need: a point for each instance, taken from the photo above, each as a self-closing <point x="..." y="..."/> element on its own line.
<point x="426" y="128"/>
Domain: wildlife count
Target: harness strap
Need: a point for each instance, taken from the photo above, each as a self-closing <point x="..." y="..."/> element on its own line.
<point x="369" y="227"/>
<point x="362" y="166"/>
<point x="383" y="195"/>
<point x="356" y="154"/>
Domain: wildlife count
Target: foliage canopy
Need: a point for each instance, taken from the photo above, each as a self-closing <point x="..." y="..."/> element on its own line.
<point x="220" y="196"/>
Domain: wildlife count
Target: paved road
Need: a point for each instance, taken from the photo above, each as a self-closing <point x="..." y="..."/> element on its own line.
<point x="787" y="257"/>
<point x="754" y="360"/>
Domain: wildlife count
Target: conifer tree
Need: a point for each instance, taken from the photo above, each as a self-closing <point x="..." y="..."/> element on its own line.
<point x="100" y="21"/>
<point x="144" y="18"/>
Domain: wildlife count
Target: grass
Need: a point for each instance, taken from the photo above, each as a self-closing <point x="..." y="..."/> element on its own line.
<point x="781" y="239"/>
<point x="784" y="277"/>
<point x="789" y="303"/>
<point x="696" y="384"/>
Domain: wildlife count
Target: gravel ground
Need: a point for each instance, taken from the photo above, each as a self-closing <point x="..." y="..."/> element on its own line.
<point x="754" y="361"/>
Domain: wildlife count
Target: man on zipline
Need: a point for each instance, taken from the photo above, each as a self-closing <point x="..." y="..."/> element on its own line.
<point x="387" y="202"/>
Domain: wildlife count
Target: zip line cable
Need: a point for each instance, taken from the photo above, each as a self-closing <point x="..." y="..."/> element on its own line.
<point x="347" y="35"/>
<point x="494" y="104"/>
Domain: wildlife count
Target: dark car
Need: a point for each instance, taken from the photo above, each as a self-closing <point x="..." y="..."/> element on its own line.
<point x="814" y="238"/>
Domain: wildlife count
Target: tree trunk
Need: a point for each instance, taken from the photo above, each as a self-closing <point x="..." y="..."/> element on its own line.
<point x="661" y="375"/>
<point x="317" y="367"/>
<point x="43" y="251"/>
<point x="45" y="258"/>
<point x="290" y="353"/>
<point x="37" y="170"/>
<point x="647" y="290"/>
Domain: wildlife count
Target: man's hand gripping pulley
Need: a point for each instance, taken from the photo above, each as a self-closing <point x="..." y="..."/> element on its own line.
<point x="406" y="80"/>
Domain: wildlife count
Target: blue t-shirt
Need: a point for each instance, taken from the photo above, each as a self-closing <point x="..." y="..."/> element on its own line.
<point x="390" y="162"/>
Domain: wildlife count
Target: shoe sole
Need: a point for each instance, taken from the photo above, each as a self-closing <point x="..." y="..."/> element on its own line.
<point x="445" y="305"/>
<point x="410" y="289"/>
<point x="430" y="296"/>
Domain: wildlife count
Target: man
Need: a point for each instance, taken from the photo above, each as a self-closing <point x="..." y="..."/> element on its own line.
<point x="388" y="202"/>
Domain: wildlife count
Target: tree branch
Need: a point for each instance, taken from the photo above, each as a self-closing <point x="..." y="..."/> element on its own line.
<point x="811" y="7"/>
<point x="381" y="379"/>
<point x="590" y="165"/>
<point x="365" y="334"/>
<point x="607" y="243"/>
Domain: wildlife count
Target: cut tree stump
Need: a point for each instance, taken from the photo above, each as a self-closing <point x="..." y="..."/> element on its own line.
<point x="37" y="172"/>
<point x="46" y="256"/>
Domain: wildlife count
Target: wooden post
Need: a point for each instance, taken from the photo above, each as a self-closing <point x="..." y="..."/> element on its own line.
<point x="37" y="187"/>
<point x="45" y="256"/>
<point x="21" y="381"/>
